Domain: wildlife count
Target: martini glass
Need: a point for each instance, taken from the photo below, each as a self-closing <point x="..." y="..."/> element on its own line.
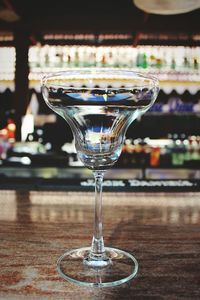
<point x="99" y="105"/>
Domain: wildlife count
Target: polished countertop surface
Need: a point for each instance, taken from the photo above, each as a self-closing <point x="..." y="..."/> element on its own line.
<point x="160" y="229"/>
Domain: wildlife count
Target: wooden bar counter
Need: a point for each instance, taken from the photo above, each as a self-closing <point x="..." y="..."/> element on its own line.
<point x="162" y="230"/>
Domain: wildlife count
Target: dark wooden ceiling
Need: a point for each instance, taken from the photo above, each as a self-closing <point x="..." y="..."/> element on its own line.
<point x="92" y="16"/>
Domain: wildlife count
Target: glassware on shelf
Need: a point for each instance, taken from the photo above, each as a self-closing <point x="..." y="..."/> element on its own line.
<point x="99" y="117"/>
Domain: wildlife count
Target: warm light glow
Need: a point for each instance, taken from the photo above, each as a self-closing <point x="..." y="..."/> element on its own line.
<point x="11" y="127"/>
<point x="167" y="7"/>
<point x="4" y="132"/>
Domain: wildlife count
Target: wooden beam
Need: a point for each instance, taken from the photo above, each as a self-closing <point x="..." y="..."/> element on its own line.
<point x="21" y="42"/>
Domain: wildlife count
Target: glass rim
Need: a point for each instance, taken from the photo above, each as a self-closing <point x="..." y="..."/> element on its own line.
<point x="138" y="75"/>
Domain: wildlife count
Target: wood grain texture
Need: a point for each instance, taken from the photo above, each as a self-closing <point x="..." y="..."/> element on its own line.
<point x="161" y="230"/>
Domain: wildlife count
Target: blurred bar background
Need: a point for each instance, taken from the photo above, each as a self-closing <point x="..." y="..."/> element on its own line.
<point x="37" y="38"/>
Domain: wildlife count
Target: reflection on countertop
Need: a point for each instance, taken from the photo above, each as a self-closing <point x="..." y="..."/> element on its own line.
<point x="73" y="207"/>
<point x="161" y="229"/>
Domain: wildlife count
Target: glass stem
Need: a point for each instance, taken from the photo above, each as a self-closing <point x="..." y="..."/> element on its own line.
<point x="97" y="248"/>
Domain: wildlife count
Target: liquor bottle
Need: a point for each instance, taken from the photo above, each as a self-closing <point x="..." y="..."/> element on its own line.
<point x="195" y="63"/>
<point x="155" y="156"/>
<point x="173" y="63"/>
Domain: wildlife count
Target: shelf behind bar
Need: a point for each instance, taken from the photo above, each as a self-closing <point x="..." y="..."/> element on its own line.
<point x="115" y="185"/>
<point x="81" y="179"/>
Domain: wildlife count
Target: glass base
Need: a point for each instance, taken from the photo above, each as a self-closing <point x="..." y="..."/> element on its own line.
<point x="74" y="267"/>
